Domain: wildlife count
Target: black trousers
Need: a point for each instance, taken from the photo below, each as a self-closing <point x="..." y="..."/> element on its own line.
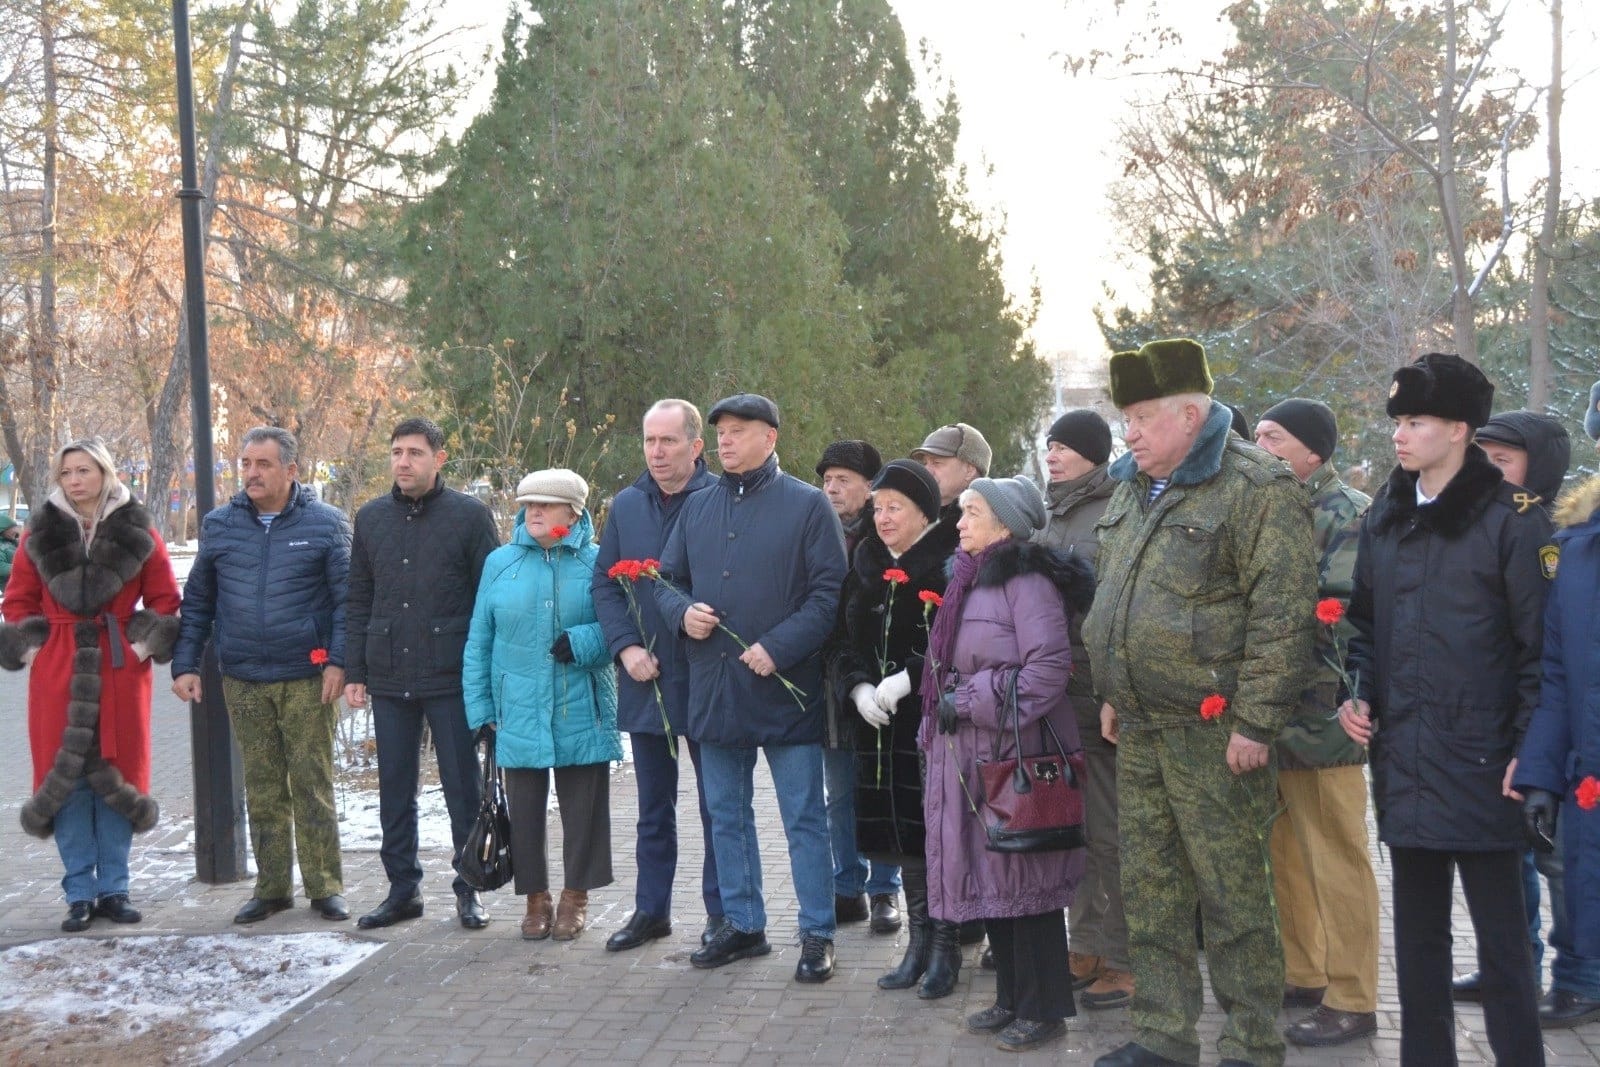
<point x="1030" y="961"/>
<point x="584" y="795"/>
<point x="397" y="728"/>
<point x="1423" y="889"/>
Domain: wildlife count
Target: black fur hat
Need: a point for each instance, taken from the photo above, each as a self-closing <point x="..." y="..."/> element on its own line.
<point x="1444" y="386"/>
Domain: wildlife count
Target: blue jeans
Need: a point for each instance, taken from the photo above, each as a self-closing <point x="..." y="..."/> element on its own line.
<point x="852" y="874"/>
<point x="93" y="841"/>
<point x="397" y="728"/>
<point x="728" y="777"/>
<point x="656" y="848"/>
<point x="1569" y="971"/>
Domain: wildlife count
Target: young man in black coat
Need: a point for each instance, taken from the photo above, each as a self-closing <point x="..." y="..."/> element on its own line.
<point x="1447" y="605"/>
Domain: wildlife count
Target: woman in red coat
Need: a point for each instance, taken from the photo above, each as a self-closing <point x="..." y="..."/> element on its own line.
<point x="88" y="558"/>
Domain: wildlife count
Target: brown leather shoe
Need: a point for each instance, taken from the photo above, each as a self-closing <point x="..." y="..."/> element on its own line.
<point x="572" y="914"/>
<point x="1113" y="989"/>
<point x="1085" y="969"/>
<point x="1330" y="1026"/>
<point x="536" y="924"/>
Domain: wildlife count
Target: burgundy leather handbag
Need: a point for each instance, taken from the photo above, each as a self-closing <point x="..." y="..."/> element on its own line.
<point x="1033" y="803"/>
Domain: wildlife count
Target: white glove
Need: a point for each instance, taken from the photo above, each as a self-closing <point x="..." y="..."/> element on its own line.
<point x="866" y="698"/>
<point x="140" y="650"/>
<point x="892" y="690"/>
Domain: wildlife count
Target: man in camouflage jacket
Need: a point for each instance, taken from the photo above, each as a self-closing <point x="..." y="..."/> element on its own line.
<point x="1201" y="638"/>
<point x="1327" y="896"/>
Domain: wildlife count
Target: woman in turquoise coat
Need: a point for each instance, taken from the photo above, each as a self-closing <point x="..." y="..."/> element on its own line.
<point x="537" y="670"/>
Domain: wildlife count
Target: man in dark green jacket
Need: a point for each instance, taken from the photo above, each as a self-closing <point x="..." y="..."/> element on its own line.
<point x="1327" y="896"/>
<point x="1201" y="637"/>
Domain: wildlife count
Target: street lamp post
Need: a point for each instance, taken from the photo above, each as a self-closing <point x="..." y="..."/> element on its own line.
<point x="218" y="798"/>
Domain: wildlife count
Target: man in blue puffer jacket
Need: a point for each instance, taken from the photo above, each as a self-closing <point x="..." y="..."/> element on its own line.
<point x="759" y="554"/>
<point x="267" y="588"/>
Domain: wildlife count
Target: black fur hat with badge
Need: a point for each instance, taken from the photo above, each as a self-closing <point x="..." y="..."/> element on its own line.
<point x="1444" y="386"/>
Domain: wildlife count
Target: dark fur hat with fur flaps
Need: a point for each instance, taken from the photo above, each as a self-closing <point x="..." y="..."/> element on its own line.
<point x="1442" y="385"/>
<point x="1161" y="368"/>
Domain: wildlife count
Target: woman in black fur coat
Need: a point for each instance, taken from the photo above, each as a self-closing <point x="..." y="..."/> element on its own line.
<point x="87" y="560"/>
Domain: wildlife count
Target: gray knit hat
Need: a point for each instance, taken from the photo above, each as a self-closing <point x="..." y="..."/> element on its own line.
<point x="1016" y="502"/>
<point x="554" y="486"/>
<point x="1591" y="415"/>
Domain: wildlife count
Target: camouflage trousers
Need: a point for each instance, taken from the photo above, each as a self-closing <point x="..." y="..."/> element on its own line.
<point x="285" y="736"/>
<point x="1192" y="832"/>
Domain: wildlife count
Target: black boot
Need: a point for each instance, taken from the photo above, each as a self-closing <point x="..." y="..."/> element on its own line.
<point x="921" y="941"/>
<point x="944" y="961"/>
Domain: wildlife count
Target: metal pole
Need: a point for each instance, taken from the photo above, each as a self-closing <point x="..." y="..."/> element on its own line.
<point x="218" y="793"/>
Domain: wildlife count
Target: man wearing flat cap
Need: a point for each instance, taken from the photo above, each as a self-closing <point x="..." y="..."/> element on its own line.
<point x="1201" y="638"/>
<point x="954" y="455"/>
<point x="1327" y="895"/>
<point x="1451" y="576"/>
<point x="758" y="554"/>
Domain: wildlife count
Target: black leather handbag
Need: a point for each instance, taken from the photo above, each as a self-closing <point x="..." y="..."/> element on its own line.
<point x="486" y="855"/>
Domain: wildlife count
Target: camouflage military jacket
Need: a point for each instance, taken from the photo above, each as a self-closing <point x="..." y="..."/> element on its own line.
<point x="1313" y="737"/>
<point x="1208" y="590"/>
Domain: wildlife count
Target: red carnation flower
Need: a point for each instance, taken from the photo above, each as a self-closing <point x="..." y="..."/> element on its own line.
<point x="1213" y="706"/>
<point x="928" y="596"/>
<point x="1329" y="611"/>
<point x="1588" y="793"/>
<point x="558" y="532"/>
<point x="319" y="656"/>
<point x="896" y="576"/>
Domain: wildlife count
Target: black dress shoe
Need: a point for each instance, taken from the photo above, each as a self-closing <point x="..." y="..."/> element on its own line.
<point x="258" y="908"/>
<point x="714" y="923"/>
<point x="115" y="906"/>
<point x="816" y="959"/>
<point x="990" y="1020"/>
<point x="80" y="913"/>
<point x="639" y="928"/>
<point x="730" y="944"/>
<point x="851" y="909"/>
<point x="1331" y="1026"/>
<point x="1134" y="1054"/>
<point x="331" y="907"/>
<point x="469" y="909"/>
<point x="1029" y="1033"/>
<point x="392" y="910"/>
<point x="1561" y="1008"/>
<point x="885" y="916"/>
<point x="1467" y="987"/>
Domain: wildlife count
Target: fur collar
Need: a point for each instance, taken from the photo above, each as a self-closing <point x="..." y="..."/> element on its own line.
<point x="85" y="581"/>
<point x="1205" y="455"/>
<point x="1579" y="503"/>
<point x="928" y="555"/>
<point x="1071" y="575"/>
<point x="1456" y="508"/>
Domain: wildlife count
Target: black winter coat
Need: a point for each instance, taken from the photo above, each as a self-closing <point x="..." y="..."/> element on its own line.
<point x="1447" y="609"/>
<point x="414" y="569"/>
<point x="637" y="528"/>
<point x="888" y="766"/>
<point x="267" y="596"/>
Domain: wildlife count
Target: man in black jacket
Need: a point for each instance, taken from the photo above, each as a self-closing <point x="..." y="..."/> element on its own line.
<point x="1451" y="574"/>
<point x="414" y="567"/>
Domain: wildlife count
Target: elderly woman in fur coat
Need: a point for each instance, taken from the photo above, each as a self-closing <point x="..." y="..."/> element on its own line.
<point x="87" y="560"/>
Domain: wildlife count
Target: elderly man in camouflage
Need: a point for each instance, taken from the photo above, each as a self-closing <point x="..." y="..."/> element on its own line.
<point x="1201" y="638"/>
<point x="1327" y="896"/>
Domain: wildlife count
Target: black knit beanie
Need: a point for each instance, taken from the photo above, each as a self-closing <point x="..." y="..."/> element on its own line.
<point x="1311" y="422"/>
<point x="1085" y="432"/>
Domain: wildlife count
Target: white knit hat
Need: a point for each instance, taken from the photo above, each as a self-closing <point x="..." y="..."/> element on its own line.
<point x="556" y="486"/>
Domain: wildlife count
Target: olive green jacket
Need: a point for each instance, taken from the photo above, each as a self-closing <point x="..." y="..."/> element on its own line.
<point x="1313" y="737"/>
<point x="1208" y="590"/>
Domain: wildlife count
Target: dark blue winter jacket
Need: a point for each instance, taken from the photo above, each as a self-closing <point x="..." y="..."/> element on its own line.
<point x="1562" y="746"/>
<point x="267" y="596"/>
<point x="637" y="528"/>
<point x="767" y="552"/>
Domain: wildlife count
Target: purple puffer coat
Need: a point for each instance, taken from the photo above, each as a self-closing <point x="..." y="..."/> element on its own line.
<point x="1014" y="616"/>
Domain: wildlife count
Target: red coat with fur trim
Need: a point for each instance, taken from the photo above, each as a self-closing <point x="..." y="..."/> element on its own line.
<point x="124" y="727"/>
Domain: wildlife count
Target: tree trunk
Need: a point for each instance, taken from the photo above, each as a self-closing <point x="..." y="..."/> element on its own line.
<point x="1539" y="369"/>
<point x="166" y="456"/>
<point x="1462" y="321"/>
<point x="44" y="342"/>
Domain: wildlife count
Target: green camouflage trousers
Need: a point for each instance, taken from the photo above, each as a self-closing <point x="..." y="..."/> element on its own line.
<point x="1191" y="831"/>
<point x="285" y="736"/>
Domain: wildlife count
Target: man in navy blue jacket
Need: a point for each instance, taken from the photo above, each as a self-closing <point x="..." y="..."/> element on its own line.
<point x="760" y="555"/>
<point x="268" y="588"/>
<point x="653" y="689"/>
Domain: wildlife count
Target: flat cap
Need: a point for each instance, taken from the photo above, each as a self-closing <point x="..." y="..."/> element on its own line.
<point x="745" y="406"/>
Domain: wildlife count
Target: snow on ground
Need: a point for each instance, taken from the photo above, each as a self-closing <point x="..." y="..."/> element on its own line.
<point x="172" y="1000"/>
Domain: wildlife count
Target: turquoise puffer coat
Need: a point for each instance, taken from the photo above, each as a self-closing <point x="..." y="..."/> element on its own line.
<point x="548" y="714"/>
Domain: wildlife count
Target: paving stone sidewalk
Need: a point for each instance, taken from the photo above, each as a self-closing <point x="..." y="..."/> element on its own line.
<point x="440" y="994"/>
